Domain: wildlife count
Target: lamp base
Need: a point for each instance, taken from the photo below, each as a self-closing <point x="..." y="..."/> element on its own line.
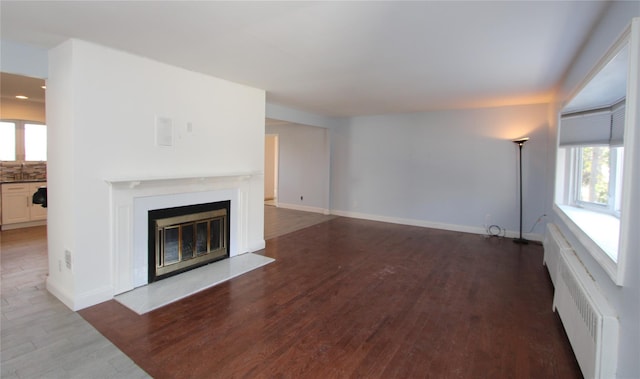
<point x="521" y="241"/>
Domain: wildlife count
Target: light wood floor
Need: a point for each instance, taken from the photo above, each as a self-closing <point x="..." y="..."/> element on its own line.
<point x="40" y="336"/>
<point x="280" y="221"/>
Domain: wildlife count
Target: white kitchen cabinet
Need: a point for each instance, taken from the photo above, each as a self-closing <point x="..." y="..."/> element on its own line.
<point x="36" y="212"/>
<point x="17" y="205"/>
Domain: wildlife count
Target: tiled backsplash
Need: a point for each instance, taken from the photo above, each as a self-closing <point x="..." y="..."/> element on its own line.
<point x="17" y="171"/>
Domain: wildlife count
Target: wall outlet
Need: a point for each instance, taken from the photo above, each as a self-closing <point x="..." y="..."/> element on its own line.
<point x="67" y="258"/>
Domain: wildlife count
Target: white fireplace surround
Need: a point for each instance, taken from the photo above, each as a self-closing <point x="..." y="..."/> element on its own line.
<point x="132" y="199"/>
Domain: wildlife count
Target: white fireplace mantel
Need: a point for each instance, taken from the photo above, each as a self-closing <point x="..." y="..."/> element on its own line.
<point x="132" y="198"/>
<point x="155" y="180"/>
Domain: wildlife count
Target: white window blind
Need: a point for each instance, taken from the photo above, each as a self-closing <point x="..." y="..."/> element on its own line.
<point x="617" y="126"/>
<point x="585" y="129"/>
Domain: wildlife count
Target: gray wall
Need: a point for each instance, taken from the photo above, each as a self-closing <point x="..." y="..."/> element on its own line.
<point x="451" y="169"/>
<point x="303" y="168"/>
<point x="24" y="60"/>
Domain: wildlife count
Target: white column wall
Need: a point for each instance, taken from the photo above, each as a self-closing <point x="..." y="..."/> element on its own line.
<point x="102" y="109"/>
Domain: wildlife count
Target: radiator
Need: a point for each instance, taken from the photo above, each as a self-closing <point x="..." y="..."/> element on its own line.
<point x="590" y="322"/>
<point x="553" y="243"/>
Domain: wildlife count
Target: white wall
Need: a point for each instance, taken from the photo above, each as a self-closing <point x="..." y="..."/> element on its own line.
<point x="303" y="166"/>
<point x="61" y="190"/>
<point x="446" y="169"/>
<point x="625" y="299"/>
<point x="102" y="106"/>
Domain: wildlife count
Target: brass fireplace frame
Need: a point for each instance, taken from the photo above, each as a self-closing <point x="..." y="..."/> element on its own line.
<point x="195" y="239"/>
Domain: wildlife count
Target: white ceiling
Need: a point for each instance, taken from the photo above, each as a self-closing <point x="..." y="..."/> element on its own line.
<point x="337" y="58"/>
<point x="606" y="88"/>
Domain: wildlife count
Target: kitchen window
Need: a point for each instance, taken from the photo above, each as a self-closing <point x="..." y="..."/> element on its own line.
<point x="7" y="141"/>
<point x="23" y="141"/>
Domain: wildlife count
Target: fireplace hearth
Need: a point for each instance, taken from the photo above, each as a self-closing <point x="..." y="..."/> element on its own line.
<point x="186" y="237"/>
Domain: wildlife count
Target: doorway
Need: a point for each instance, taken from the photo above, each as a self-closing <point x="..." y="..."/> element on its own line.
<point x="271" y="169"/>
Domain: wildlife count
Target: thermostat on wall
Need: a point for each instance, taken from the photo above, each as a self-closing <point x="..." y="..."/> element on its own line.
<point x="164" y="131"/>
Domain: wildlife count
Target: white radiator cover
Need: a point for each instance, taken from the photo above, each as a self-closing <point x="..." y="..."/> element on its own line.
<point x="589" y="321"/>
<point x="553" y="243"/>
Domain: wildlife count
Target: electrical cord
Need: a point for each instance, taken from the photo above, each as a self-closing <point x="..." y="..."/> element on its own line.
<point x="496" y="231"/>
<point x="537" y="221"/>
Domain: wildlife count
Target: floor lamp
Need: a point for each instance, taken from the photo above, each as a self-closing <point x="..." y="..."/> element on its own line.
<point x="520" y="142"/>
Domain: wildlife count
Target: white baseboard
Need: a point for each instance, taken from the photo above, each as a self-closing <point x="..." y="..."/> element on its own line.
<point x="433" y="225"/>
<point x="85" y="300"/>
<point x="96" y="296"/>
<point x="60" y="293"/>
<point x="304" y="208"/>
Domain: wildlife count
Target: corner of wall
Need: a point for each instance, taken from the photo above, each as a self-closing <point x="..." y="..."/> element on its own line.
<point x="280" y="112"/>
<point x="256" y="245"/>
<point x="60" y="292"/>
<point x="93" y="297"/>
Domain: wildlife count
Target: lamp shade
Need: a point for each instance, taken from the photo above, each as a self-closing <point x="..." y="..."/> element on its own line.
<point x="521" y="141"/>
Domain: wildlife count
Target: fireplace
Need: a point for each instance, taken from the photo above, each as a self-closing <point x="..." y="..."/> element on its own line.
<point x="132" y="199"/>
<point x="186" y="237"/>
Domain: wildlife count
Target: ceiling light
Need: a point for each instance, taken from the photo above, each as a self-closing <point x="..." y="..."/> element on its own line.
<point x="21" y="97"/>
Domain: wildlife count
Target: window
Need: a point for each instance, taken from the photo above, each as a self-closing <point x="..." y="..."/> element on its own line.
<point x="605" y="111"/>
<point x="598" y="178"/>
<point x="589" y="177"/>
<point x="7" y="141"/>
<point x="35" y="142"/>
<point x="589" y="192"/>
<point x="22" y="141"/>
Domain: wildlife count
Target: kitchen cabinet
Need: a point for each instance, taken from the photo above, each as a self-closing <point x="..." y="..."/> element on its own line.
<point x="36" y="211"/>
<point x="17" y="206"/>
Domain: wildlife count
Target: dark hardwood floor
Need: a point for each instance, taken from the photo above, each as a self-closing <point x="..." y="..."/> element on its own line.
<point x="355" y="298"/>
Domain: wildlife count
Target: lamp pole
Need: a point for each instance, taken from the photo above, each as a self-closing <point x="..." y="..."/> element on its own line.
<point x="520" y="142"/>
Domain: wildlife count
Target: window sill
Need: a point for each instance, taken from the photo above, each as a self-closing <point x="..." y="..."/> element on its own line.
<point x="601" y="228"/>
